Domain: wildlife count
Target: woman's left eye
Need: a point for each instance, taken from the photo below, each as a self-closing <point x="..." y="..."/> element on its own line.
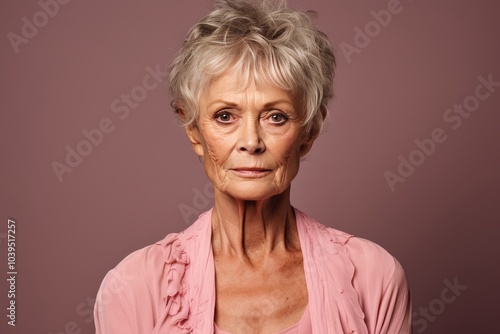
<point x="278" y="118"/>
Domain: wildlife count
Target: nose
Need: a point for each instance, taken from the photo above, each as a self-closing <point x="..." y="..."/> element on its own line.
<point x="250" y="139"/>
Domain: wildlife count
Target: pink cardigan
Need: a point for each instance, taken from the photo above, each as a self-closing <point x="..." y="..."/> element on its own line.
<point x="354" y="285"/>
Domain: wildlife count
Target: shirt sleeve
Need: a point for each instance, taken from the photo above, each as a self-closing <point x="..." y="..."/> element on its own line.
<point x="127" y="300"/>
<point x="394" y="314"/>
<point x="382" y="288"/>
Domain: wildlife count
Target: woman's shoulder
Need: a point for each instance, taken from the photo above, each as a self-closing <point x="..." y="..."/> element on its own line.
<point x="138" y="272"/>
<point x="146" y="284"/>
<point x="367" y="256"/>
<point x="146" y="261"/>
<point x="367" y="252"/>
<point x="370" y="283"/>
<point x="118" y="307"/>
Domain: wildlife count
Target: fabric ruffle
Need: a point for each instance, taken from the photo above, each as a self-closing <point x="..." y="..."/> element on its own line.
<point x="177" y="308"/>
<point x="189" y="289"/>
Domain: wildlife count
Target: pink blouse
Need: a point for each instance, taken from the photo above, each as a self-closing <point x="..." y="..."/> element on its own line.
<point x="354" y="285"/>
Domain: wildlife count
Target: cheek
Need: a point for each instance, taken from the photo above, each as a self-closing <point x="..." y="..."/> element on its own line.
<point x="287" y="170"/>
<point x="287" y="155"/>
<point x="218" y="147"/>
<point x="213" y="162"/>
<point x="286" y="149"/>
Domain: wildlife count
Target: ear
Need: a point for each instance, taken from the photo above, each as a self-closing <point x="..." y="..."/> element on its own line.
<point x="195" y="138"/>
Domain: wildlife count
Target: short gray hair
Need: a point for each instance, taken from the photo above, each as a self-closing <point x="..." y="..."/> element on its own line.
<point x="264" y="40"/>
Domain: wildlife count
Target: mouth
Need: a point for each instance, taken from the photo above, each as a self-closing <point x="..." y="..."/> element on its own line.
<point x="251" y="172"/>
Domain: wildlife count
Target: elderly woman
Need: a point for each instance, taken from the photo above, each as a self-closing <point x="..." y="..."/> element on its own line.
<point x="251" y="85"/>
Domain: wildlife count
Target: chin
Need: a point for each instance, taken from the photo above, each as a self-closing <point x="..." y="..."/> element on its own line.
<point x="253" y="191"/>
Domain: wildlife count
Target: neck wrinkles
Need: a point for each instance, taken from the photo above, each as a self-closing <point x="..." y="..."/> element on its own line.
<point x="252" y="230"/>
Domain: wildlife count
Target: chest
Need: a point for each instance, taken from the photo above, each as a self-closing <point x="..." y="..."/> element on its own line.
<point x="263" y="301"/>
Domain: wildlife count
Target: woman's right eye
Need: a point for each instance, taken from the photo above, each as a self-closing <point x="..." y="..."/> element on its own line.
<point x="224" y="117"/>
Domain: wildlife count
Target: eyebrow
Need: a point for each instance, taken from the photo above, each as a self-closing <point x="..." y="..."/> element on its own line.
<point x="266" y="106"/>
<point x="229" y="104"/>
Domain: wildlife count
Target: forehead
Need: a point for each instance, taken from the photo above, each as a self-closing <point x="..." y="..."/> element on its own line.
<point x="232" y="87"/>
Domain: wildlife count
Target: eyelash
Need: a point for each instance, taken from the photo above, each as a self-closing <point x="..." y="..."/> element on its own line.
<point x="225" y="112"/>
<point x="282" y="115"/>
<point x="222" y="112"/>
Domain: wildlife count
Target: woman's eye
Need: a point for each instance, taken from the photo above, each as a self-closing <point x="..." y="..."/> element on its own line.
<point x="224" y="117"/>
<point x="278" y="118"/>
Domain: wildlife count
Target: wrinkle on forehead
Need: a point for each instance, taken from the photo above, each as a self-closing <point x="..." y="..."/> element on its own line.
<point x="249" y="93"/>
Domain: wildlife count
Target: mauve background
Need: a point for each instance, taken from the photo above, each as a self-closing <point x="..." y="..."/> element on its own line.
<point x="442" y="223"/>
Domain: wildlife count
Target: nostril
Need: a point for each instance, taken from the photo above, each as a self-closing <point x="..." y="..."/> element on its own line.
<point x="257" y="150"/>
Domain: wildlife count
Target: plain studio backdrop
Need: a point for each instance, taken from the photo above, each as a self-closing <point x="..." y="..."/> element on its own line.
<point x="93" y="165"/>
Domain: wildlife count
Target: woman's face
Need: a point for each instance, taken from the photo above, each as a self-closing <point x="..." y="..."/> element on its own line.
<point x="250" y="139"/>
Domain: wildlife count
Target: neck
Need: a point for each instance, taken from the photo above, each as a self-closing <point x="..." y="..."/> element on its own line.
<point x="253" y="230"/>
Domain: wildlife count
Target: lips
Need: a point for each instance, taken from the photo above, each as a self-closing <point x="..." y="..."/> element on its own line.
<point x="254" y="169"/>
<point x="251" y="172"/>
